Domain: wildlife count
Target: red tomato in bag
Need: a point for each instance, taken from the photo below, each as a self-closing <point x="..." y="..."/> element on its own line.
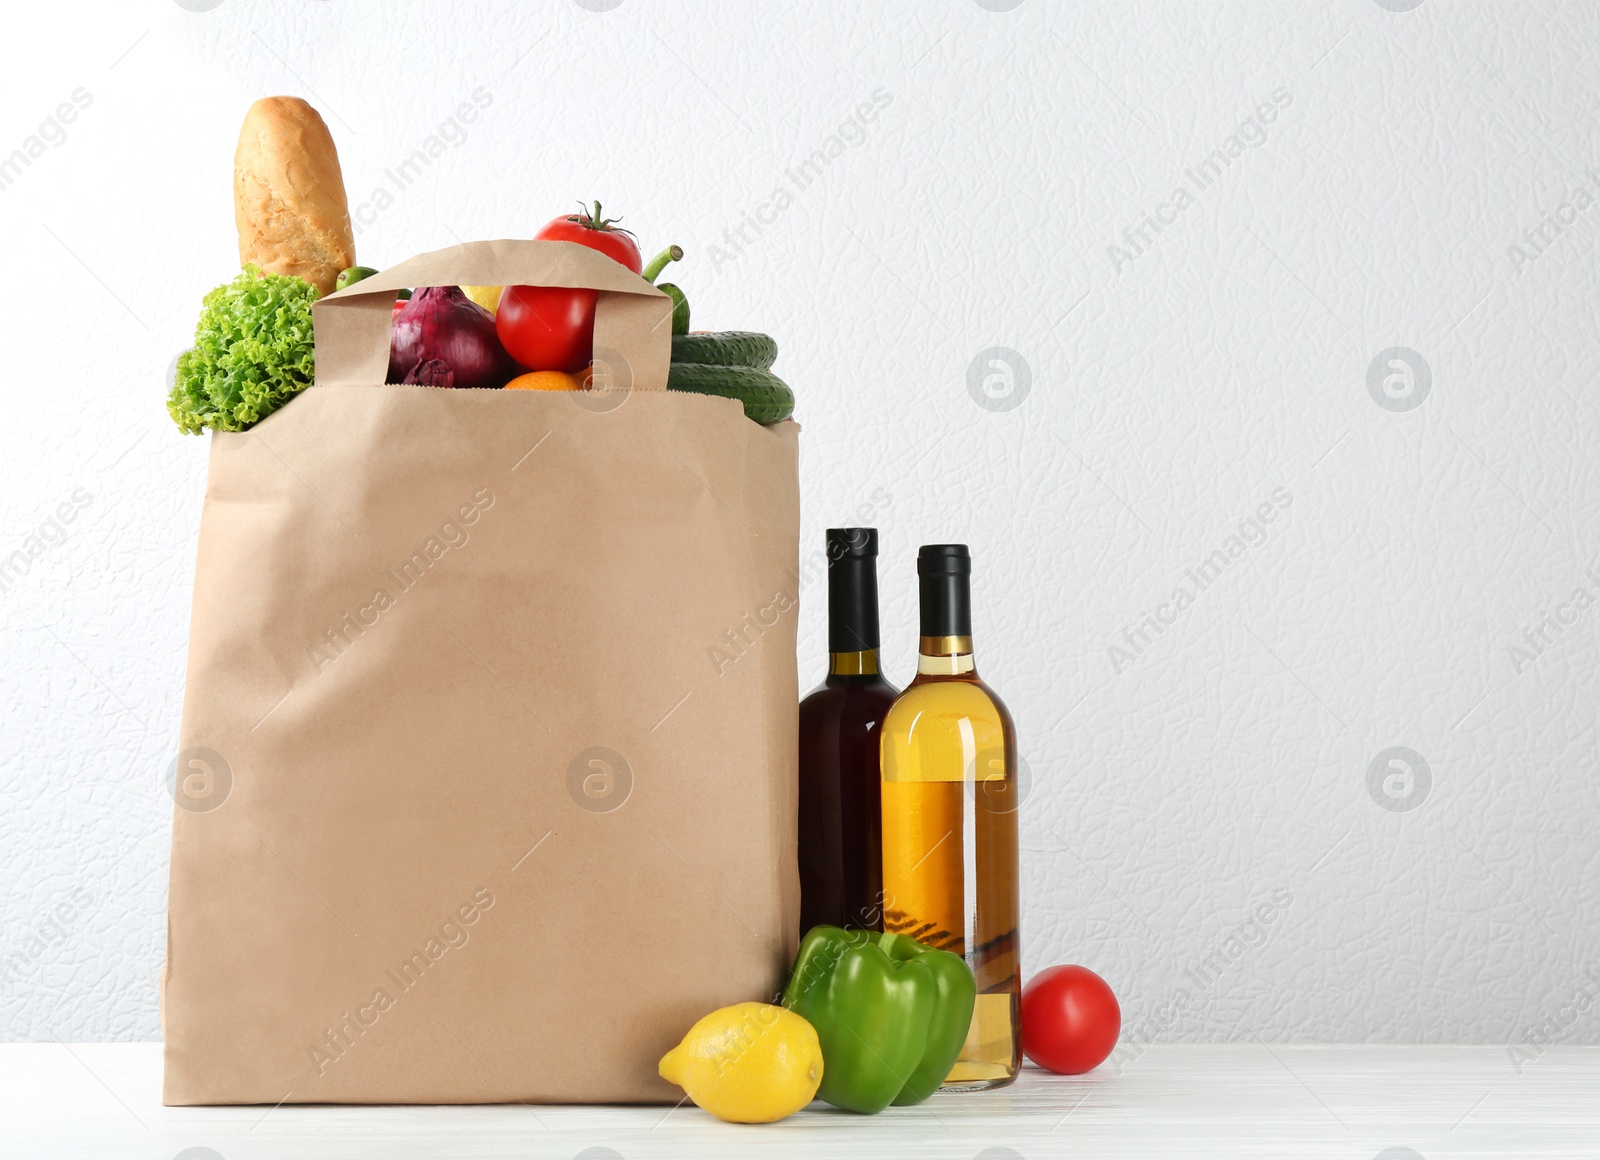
<point x="596" y="232"/>
<point x="551" y="328"/>
<point x="547" y="328"/>
<point x="1070" y="1020"/>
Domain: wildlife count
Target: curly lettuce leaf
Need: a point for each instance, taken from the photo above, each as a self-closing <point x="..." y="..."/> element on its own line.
<point x="254" y="350"/>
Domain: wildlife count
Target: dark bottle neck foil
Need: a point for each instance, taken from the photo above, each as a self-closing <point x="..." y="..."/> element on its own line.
<point x="852" y="589"/>
<point x="944" y="581"/>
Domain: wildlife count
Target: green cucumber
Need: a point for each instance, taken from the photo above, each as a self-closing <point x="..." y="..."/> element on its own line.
<point x="766" y="398"/>
<point x="726" y="348"/>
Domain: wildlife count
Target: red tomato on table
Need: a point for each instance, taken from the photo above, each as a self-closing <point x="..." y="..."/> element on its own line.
<point x="1070" y="1020"/>
<point x="551" y="328"/>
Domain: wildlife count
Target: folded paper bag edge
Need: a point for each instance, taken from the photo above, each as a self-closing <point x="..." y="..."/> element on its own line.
<point x="502" y="262"/>
<point x="632" y="318"/>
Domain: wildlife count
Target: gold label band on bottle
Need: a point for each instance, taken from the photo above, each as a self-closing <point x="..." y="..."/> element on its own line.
<point x="853" y="664"/>
<point x="944" y="656"/>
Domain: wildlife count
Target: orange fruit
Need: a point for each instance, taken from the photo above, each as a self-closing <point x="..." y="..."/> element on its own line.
<point x="545" y="381"/>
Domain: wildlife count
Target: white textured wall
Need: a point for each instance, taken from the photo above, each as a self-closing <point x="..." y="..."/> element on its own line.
<point x="1219" y="769"/>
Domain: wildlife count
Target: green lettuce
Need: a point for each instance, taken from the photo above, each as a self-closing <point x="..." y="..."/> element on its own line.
<point x="253" y="352"/>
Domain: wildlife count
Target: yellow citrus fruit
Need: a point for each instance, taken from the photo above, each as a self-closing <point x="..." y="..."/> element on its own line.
<point x="545" y="381"/>
<point x="751" y="1063"/>
<point x="487" y="297"/>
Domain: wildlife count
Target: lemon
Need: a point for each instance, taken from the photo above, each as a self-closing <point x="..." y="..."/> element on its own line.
<point x="751" y="1063"/>
<point x="487" y="297"/>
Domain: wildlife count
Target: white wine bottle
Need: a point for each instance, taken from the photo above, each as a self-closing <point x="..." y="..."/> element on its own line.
<point x="949" y="755"/>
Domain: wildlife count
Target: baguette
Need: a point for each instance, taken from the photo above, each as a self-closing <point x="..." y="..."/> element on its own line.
<point x="288" y="195"/>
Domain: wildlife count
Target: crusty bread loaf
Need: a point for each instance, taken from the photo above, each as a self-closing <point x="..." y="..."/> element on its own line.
<point x="288" y="194"/>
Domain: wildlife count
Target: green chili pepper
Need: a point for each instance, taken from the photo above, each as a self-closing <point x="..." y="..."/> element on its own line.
<point x="680" y="307"/>
<point x="891" y="1014"/>
<point x="659" y="263"/>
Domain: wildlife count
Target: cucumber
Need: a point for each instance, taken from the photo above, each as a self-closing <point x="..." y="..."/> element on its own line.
<point x="766" y="398"/>
<point x="726" y="348"/>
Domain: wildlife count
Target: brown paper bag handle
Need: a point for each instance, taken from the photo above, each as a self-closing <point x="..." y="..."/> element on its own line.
<point x="632" y="319"/>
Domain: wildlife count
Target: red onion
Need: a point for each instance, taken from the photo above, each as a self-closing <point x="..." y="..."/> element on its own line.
<point x="441" y="338"/>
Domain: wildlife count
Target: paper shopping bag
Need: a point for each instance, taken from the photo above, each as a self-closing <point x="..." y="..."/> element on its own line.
<point x="486" y="789"/>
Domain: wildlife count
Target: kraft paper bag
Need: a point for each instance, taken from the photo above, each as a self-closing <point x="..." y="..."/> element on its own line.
<point x="487" y="781"/>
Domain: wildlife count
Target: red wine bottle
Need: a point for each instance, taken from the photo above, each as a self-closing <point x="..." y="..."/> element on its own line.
<point x="841" y="842"/>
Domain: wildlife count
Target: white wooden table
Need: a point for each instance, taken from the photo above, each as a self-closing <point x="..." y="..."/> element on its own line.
<point x="1357" y="1103"/>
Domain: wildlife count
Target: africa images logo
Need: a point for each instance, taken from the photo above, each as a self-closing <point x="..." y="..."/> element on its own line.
<point x="999" y="379"/>
<point x="600" y="780"/>
<point x="199" y="780"/>
<point x="1399" y="779"/>
<point x="1399" y="379"/>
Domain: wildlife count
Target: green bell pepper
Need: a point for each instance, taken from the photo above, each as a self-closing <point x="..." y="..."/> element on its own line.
<point x="891" y="1014"/>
